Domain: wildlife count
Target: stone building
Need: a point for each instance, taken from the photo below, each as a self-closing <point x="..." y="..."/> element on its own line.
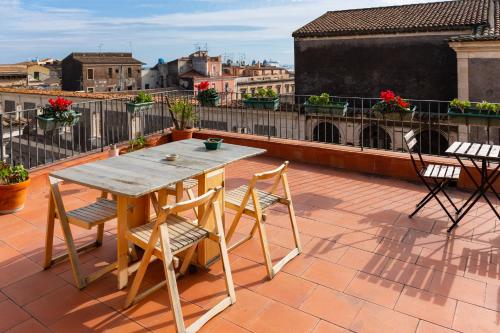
<point x="13" y="76"/>
<point x="251" y="78"/>
<point x="436" y="51"/>
<point x="101" y="72"/>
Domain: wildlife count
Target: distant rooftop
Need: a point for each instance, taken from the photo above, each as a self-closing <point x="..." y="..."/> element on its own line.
<point x="112" y="58"/>
<point x="13" y="69"/>
<point x="480" y="16"/>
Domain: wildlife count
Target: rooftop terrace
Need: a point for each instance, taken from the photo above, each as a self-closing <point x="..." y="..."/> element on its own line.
<point x="365" y="268"/>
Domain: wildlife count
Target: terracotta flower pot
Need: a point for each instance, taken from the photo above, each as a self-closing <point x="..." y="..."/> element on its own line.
<point x="178" y="135"/>
<point x="13" y="197"/>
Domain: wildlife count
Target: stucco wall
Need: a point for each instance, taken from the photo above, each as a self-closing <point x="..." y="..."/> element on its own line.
<point x="483" y="80"/>
<point x="418" y="67"/>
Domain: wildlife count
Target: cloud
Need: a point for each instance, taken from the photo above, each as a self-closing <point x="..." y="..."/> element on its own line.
<point x="59" y="31"/>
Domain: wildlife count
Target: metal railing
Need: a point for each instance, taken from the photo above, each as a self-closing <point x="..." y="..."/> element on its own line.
<point x="107" y="122"/>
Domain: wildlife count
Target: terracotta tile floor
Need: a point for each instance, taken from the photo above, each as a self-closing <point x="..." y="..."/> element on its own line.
<point x="366" y="267"/>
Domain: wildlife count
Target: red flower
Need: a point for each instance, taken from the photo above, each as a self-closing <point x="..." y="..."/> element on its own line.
<point x="388" y="96"/>
<point x="60" y="104"/>
<point x="402" y="103"/>
<point x="203" y="86"/>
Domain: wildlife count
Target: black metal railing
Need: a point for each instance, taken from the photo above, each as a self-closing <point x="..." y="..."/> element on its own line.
<point x="351" y="123"/>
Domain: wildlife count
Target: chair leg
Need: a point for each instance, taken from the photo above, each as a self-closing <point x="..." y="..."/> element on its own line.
<point x="100" y="235"/>
<point x="224" y="256"/>
<point x="295" y="228"/>
<point x="191" y="196"/>
<point x="139" y="276"/>
<point x="265" y="246"/>
<point x="72" y="254"/>
<point x="232" y="228"/>
<point x="173" y="293"/>
<point x="432" y="193"/>
<point x="49" y="237"/>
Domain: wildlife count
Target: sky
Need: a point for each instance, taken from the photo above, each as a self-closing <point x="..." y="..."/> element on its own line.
<point x="153" y="29"/>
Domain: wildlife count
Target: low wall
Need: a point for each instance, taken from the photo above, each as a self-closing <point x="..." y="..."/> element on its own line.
<point x="368" y="161"/>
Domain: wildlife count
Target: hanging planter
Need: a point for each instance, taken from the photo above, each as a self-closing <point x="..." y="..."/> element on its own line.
<point x="392" y="107"/>
<point x="480" y="114"/>
<point x="206" y="96"/>
<point x="322" y="104"/>
<point x="142" y="103"/>
<point x="57" y="115"/>
<point x="266" y="99"/>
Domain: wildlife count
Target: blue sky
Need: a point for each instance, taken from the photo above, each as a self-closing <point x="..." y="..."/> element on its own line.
<point x="153" y="29"/>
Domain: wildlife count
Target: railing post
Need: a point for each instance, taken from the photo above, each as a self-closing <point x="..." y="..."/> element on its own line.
<point x="362" y="126"/>
<point x="102" y="124"/>
<point x="268" y="124"/>
<point x="1" y="137"/>
<point x="163" y="112"/>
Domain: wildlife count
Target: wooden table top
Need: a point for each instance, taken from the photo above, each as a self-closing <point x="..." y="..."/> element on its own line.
<point x="146" y="170"/>
<point x="475" y="150"/>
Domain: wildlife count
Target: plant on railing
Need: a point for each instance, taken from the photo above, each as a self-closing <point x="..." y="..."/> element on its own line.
<point x="393" y="107"/>
<point x="461" y="105"/>
<point x="262" y="99"/>
<point x="58" y="113"/>
<point x="12" y="174"/>
<point x="143" y="102"/>
<point x="480" y="114"/>
<point x="14" y="182"/>
<point x="207" y="96"/>
<point x="324" y="104"/>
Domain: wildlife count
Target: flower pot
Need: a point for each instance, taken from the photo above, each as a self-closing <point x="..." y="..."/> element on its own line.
<point x="178" y="135"/>
<point x="139" y="107"/>
<point x="13" y="197"/>
<point x="337" y="109"/>
<point x="398" y="115"/>
<point x="262" y="103"/>
<point x="213" y="143"/>
<point x="211" y="101"/>
<point x="476" y="119"/>
<point x="50" y="123"/>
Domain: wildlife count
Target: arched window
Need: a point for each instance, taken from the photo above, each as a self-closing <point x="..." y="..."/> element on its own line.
<point x="326" y="132"/>
<point x="432" y="142"/>
<point x="376" y="137"/>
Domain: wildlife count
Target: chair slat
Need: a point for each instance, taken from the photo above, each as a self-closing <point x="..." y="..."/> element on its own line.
<point x="442" y="172"/>
<point x="428" y="170"/>
<point x="453" y="148"/>
<point x="412" y="144"/>
<point x="463" y="148"/>
<point x="494" y="152"/>
<point x="449" y="172"/>
<point x="410" y="135"/>
<point x="436" y="170"/>
<point x="474" y="149"/>
<point x="483" y="152"/>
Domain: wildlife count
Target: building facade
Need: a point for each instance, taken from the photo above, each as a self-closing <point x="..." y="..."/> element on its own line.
<point x="101" y="72"/>
<point x="251" y="78"/>
<point x="448" y="49"/>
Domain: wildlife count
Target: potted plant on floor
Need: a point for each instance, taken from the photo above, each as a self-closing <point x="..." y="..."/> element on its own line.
<point x="264" y="99"/>
<point x="393" y="107"/>
<point x="183" y="117"/>
<point x="480" y="114"/>
<point x="143" y="102"/>
<point x="207" y="96"/>
<point x="133" y="145"/>
<point x="57" y="114"/>
<point x="14" y="182"/>
<point x="323" y="104"/>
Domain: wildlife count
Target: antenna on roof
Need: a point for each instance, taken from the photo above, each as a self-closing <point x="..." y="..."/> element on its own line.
<point x="130" y="46"/>
<point x="100" y="47"/>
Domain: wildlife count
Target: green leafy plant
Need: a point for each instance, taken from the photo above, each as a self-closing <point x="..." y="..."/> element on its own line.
<point x="321" y="100"/>
<point x="262" y="93"/>
<point x="60" y="110"/>
<point x="12" y="174"/>
<point x="137" y="143"/>
<point x="460" y="104"/>
<point x="143" y="97"/>
<point x="390" y="102"/>
<point x="486" y="107"/>
<point x="184" y="113"/>
<point x="208" y="94"/>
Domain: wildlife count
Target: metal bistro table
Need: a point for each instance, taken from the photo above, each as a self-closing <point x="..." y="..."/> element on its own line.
<point x="485" y="153"/>
<point x="135" y="176"/>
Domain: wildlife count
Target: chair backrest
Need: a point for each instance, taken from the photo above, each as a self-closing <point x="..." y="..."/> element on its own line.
<point x="279" y="175"/>
<point x="206" y="200"/>
<point x="413" y="147"/>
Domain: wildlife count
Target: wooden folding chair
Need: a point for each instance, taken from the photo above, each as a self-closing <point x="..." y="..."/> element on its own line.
<point x="248" y="200"/>
<point x="438" y="174"/>
<point x="176" y="191"/>
<point x="170" y="234"/>
<point x="87" y="217"/>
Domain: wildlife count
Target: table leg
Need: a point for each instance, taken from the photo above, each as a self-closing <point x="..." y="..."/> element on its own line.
<point x="132" y="212"/>
<point x="208" y="250"/>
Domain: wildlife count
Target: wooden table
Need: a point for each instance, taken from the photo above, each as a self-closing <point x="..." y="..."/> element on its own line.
<point x="477" y="152"/>
<point x="135" y="176"/>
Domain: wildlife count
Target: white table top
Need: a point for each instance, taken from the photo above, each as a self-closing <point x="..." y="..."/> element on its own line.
<point x="475" y="150"/>
<point x="146" y="170"/>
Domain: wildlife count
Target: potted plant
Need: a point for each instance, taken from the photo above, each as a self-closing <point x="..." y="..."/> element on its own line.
<point x="264" y="99"/>
<point x="142" y="102"/>
<point x="133" y="145"/>
<point x="324" y="104"/>
<point x="14" y="182"/>
<point x="393" y="107"/>
<point x="57" y="114"/>
<point x="481" y="114"/>
<point x="183" y="117"/>
<point x="207" y="96"/>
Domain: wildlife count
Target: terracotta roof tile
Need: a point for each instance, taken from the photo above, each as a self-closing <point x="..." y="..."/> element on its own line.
<point x="435" y="16"/>
<point x="485" y="32"/>
<point x="105" y="58"/>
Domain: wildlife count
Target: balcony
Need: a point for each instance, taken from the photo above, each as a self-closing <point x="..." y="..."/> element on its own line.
<point x="366" y="266"/>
